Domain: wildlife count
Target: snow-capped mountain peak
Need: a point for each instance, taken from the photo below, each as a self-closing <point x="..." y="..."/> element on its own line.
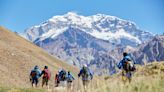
<point x="101" y="26"/>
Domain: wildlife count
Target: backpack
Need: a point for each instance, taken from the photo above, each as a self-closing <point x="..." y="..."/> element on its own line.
<point x="34" y="73"/>
<point x="62" y="75"/>
<point x="46" y="74"/>
<point x="128" y="66"/>
<point x="85" y="72"/>
<point x="70" y="78"/>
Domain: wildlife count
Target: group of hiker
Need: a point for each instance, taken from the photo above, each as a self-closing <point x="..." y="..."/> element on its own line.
<point x="126" y="65"/>
<point x="36" y="73"/>
<point x="61" y="76"/>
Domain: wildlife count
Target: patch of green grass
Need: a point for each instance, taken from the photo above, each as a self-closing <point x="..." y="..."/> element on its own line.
<point x="2" y="89"/>
<point x="32" y="90"/>
<point x="5" y="89"/>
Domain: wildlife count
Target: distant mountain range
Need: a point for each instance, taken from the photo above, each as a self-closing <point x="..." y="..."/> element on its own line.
<point x="97" y="40"/>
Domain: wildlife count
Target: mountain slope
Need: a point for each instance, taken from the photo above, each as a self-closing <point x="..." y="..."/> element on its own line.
<point x="151" y="51"/>
<point x="73" y="44"/>
<point x="18" y="57"/>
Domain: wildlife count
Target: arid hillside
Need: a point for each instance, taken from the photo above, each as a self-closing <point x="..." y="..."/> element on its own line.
<point x="148" y="78"/>
<point x="18" y="56"/>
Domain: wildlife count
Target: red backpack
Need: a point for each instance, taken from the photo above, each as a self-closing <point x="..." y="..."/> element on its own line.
<point x="33" y="73"/>
<point x="47" y="74"/>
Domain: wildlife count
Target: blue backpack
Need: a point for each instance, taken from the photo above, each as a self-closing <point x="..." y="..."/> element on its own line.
<point x="70" y="78"/>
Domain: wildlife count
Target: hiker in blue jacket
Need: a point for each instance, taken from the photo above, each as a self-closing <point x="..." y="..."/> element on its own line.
<point x="70" y="79"/>
<point x="126" y="58"/>
<point x="34" y="76"/>
<point x="127" y="66"/>
<point x="86" y="75"/>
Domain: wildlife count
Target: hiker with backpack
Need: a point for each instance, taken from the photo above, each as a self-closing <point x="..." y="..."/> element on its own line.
<point x="34" y="76"/>
<point x="46" y="76"/>
<point x="86" y="75"/>
<point x="127" y="66"/>
<point x="70" y="79"/>
<point x="62" y="75"/>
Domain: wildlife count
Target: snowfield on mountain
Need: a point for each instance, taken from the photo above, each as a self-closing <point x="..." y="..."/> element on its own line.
<point x="101" y="26"/>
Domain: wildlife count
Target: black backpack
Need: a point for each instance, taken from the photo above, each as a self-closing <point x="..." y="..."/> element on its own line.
<point x="62" y="75"/>
<point x="85" y="72"/>
<point x="129" y="66"/>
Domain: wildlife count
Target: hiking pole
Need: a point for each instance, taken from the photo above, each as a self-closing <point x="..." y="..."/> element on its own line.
<point x="91" y="84"/>
<point x="78" y="85"/>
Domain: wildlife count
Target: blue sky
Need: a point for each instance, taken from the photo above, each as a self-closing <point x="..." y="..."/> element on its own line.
<point x="17" y="15"/>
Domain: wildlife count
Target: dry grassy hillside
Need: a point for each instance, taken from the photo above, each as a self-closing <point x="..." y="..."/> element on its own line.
<point x="149" y="78"/>
<point x="17" y="58"/>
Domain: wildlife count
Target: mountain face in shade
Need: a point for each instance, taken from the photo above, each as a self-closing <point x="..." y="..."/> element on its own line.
<point x="151" y="51"/>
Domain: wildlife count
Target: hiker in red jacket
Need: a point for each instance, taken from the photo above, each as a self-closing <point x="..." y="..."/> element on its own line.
<point x="46" y="76"/>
